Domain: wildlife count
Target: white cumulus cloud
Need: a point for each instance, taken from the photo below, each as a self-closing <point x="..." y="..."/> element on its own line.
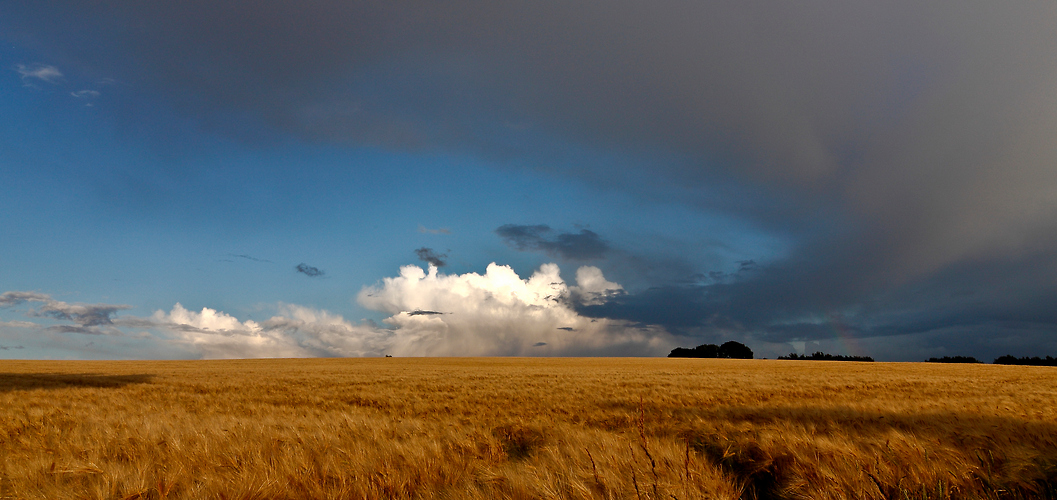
<point x="216" y="334"/>
<point x="432" y="314"/>
<point x="501" y="314"/>
<point x="323" y="333"/>
<point x="296" y="332"/>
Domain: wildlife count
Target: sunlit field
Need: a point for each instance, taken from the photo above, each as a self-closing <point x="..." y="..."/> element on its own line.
<point x="526" y="428"/>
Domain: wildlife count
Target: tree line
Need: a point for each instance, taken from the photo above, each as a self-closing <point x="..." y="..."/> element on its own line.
<point x="737" y="350"/>
<point x="821" y="356"/>
<point x="1008" y="359"/>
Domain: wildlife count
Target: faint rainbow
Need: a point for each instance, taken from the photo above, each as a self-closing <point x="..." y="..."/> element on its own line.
<point x="842" y="334"/>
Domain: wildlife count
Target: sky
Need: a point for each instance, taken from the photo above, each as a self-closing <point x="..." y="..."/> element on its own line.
<point x="290" y="179"/>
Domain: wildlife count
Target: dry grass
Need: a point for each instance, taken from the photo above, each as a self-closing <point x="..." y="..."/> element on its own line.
<point x="526" y="428"/>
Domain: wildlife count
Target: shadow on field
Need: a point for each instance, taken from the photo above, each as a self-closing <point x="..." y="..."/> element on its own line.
<point x="993" y="441"/>
<point x="29" y="381"/>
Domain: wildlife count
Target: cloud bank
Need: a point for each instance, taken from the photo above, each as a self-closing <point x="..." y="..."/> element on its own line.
<point x="431" y="314"/>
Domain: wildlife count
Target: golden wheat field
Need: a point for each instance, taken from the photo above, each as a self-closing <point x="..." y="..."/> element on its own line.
<point x="525" y="428"/>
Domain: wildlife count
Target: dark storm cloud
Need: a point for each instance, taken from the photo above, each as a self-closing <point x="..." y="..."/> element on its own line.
<point x="310" y="271"/>
<point x="426" y="254"/>
<point x="981" y="310"/>
<point x="911" y="121"/>
<point x="585" y="245"/>
<point x="901" y="147"/>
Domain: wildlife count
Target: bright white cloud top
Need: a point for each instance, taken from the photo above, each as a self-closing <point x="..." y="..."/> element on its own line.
<point x="499" y="313"/>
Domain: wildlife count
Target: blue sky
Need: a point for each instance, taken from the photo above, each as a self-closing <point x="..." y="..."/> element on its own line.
<point x="870" y="180"/>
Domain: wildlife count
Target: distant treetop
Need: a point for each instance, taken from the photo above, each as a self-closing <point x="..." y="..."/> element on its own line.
<point x="821" y="356"/>
<point x="954" y="359"/>
<point x="731" y="350"/>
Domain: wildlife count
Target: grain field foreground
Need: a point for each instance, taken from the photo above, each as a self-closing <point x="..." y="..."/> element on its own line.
<point x="525" y="428"/>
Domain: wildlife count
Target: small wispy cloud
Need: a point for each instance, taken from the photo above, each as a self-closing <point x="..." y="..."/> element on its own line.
<point x="42" y="72"/>
<point x="310" y="271"/>
<point x="8" y="299"/>
<point x="85" y="94"/>
<point x="439" y="230"/>
<point x="94" y="319"/>
<point x="18" y="324"/>
<point x="426" y="254"/>
<point x="6" y="347"/>
<point x="89" y="319"/>
<point x="248" y="257"/>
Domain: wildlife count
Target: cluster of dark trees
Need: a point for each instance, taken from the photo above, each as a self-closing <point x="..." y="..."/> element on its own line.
<point x="821" y="356"/>
<point x="731" y="350"/>
<point x="1035" y="361"/>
